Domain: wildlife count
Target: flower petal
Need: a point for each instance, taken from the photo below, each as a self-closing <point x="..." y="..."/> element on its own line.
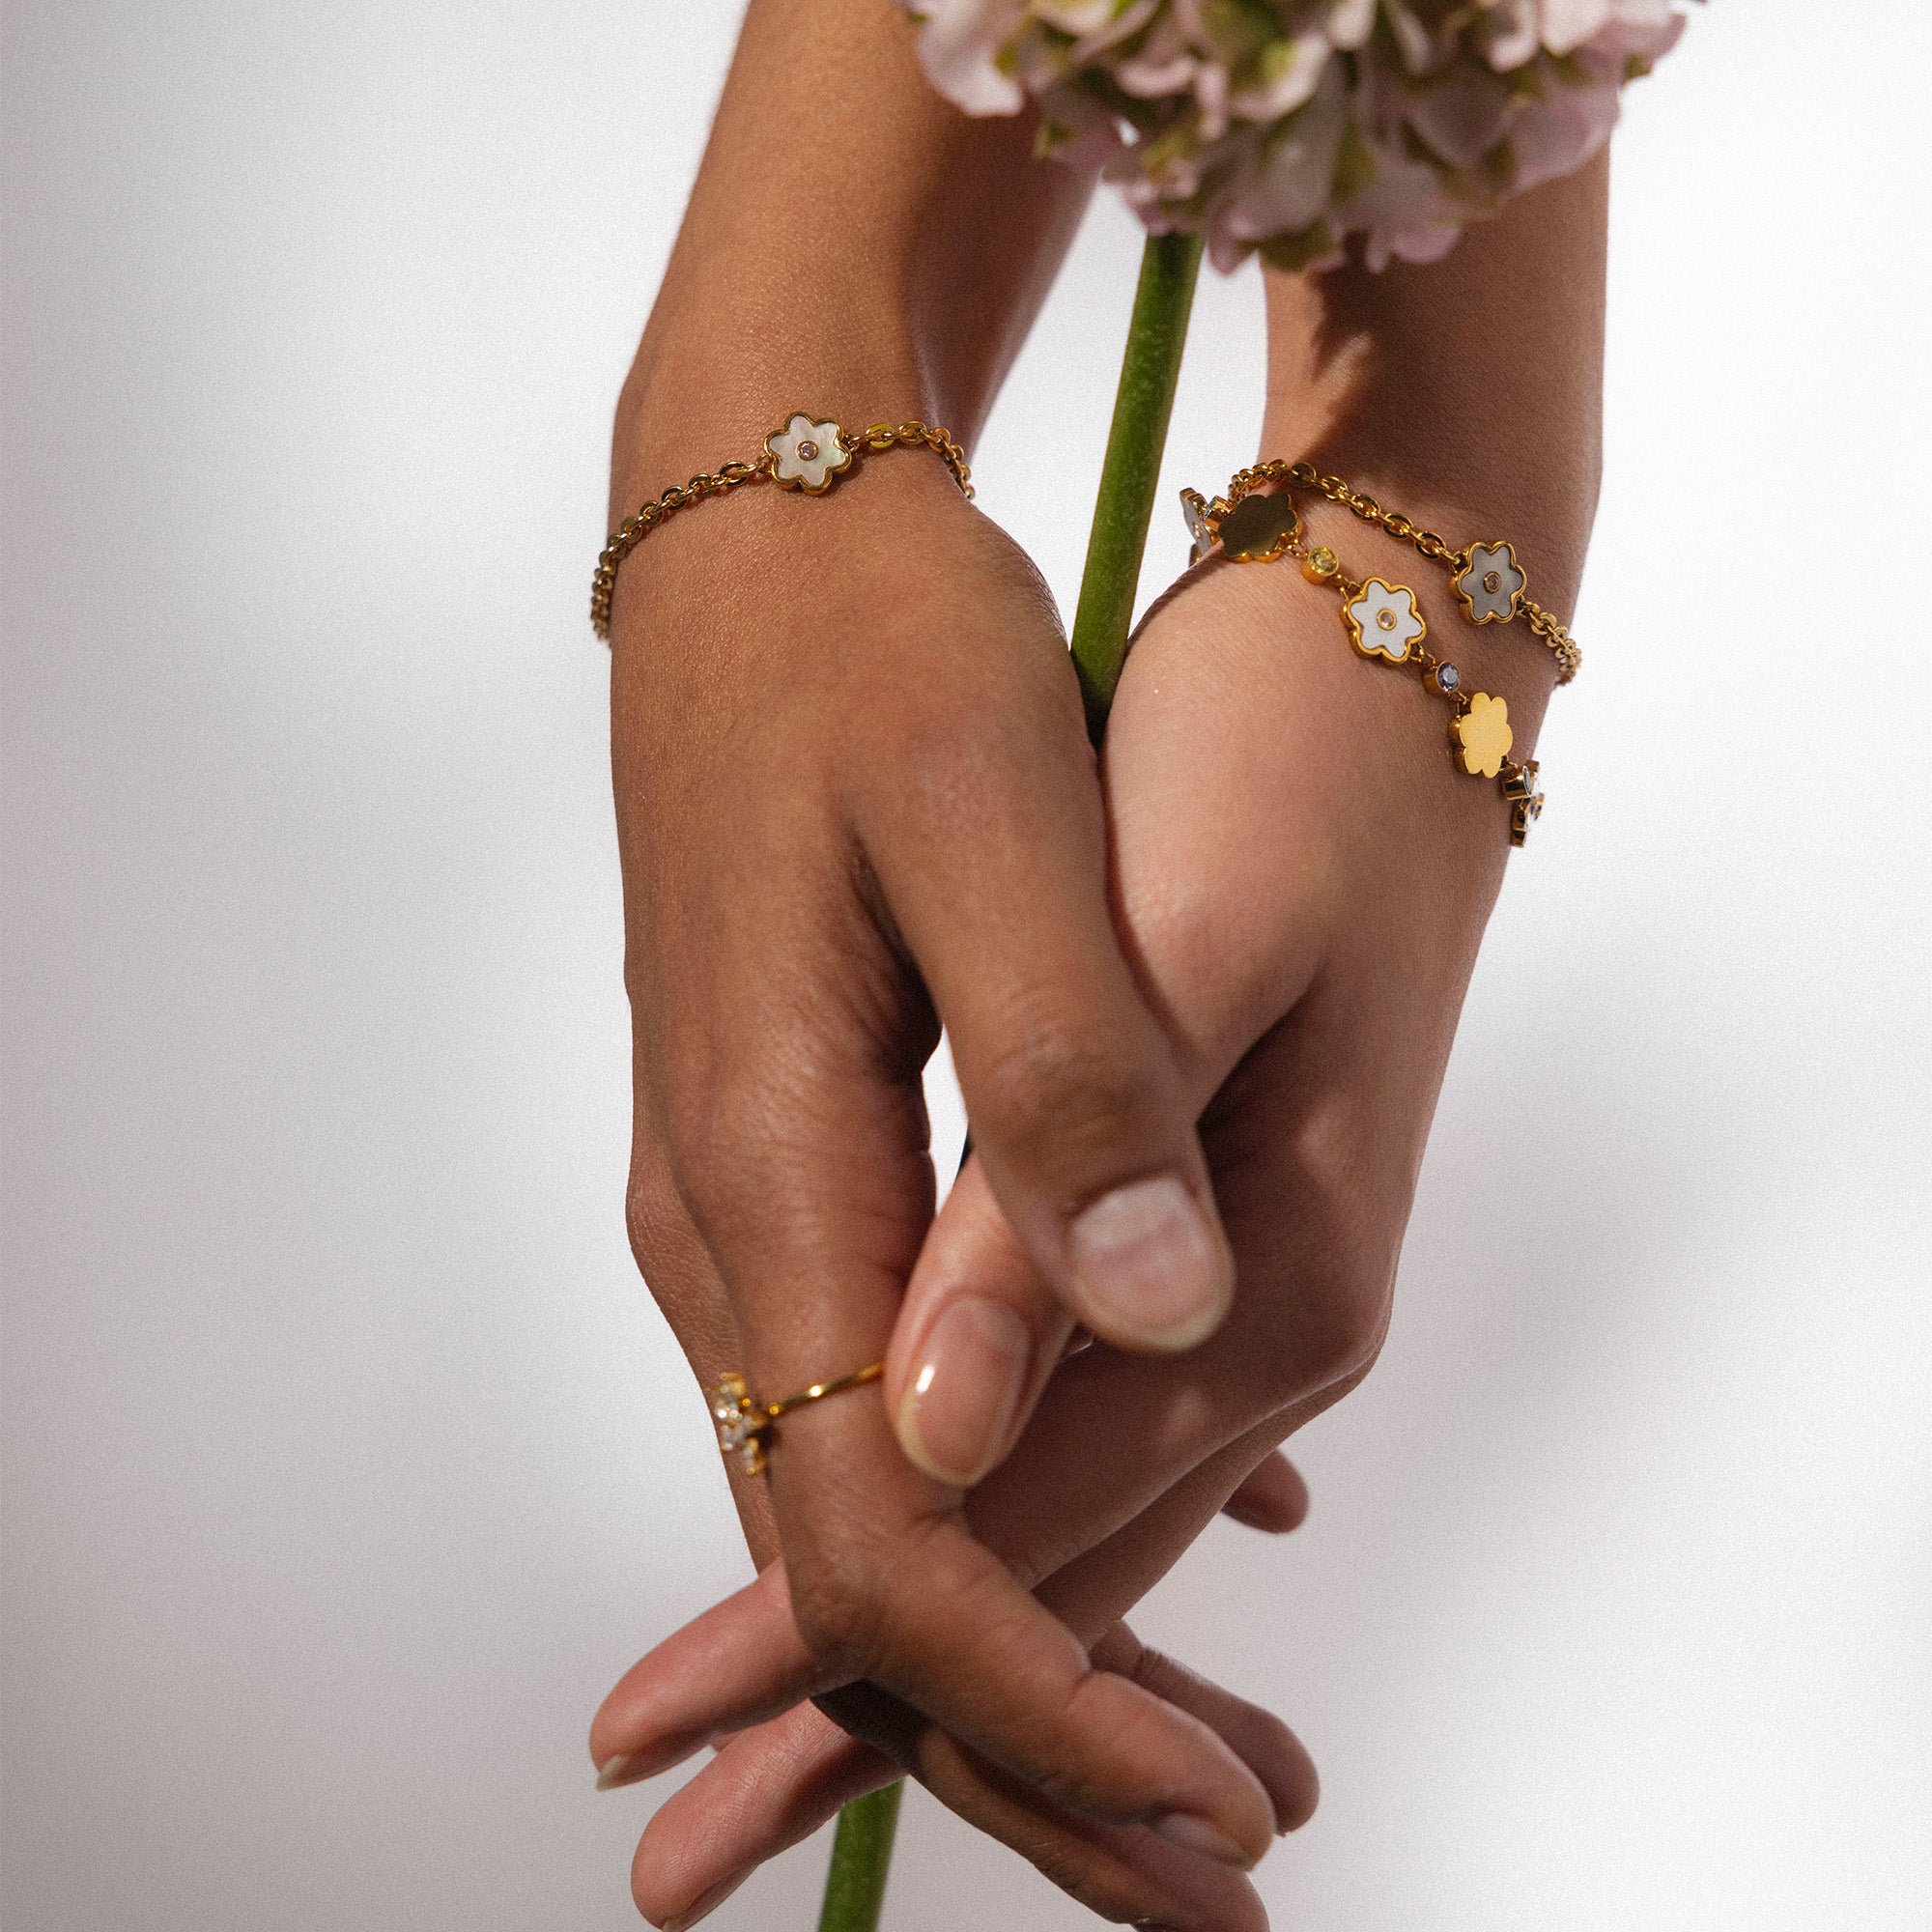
<point x="959" y="41"/>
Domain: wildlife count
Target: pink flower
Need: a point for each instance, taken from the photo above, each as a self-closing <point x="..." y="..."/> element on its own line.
<point x="959" y="42"/>
<point x="1290" y="125"/>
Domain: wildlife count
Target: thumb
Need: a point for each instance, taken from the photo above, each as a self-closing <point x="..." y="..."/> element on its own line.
<point x="977" y="1337"/>
<point x="1083" y="1115"/>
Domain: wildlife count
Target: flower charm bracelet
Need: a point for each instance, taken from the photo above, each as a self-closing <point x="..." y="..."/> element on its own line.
<point x="1381" y="618"/>
<point x="802" y="453"/>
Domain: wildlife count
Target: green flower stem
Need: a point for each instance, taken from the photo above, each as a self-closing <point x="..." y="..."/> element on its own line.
<point x="1131" y="472"/>
<point x="861" y="1850"/>
<point x="861" y="1855"/>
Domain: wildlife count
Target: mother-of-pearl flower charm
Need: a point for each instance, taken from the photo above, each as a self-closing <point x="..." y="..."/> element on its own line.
<point x="1195" y="510"/>
<point x="1483" y="735"/>
<point x="1383" y="621"/>
<point x="1489" y="585"/>
<point x="806" y="455"/>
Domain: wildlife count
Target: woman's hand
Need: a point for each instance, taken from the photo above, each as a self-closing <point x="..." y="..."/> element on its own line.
<point x="854" y="785"/>
<point x="1302" y="878"/>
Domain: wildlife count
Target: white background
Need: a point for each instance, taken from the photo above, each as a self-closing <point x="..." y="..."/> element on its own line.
<point x="349" y="1461"/>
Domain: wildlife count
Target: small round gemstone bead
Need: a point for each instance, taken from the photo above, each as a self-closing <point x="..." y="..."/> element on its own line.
<point x="1448" y="677"/>
<point x="1320" y="565"/>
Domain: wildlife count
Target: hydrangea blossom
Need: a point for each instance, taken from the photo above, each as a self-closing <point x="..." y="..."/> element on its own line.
<point x="1288" y="126"/>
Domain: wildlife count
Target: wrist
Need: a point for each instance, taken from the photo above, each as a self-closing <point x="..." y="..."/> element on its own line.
<point x="853" y="245"/>
<point x="1468" y="392"/>
<point x="1507" y="661"/>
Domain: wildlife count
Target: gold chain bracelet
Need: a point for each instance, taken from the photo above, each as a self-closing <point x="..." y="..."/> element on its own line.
<point x="802" y="453"/>
<point x="1381" y="618"/>
<point x="1487" y="581"/>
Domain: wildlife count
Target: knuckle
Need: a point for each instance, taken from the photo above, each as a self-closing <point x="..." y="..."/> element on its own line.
<point x="1062" y="1088"/>
<point x="853" y="1604"/>
<point x="841" y="1617"/>
<point x="1106" y="1889"/>
<point x="714" y="1122"/>
<point x="1330" y="1327"/>
<point x="1352" y="1321"/>
<point x="1344" y="1318"/>
<point x="1091" y="1704"/>
<point x="654" y="1215"/>
<point x="1333" y="1269"/>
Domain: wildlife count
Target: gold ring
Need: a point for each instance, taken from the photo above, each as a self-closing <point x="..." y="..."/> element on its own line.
<point x="744" y="1423"/>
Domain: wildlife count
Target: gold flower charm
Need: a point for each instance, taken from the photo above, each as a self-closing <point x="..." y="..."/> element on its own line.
<point x="1383" y="621"/>
<point x="806" y="455"/>
<point x="1258" y="530"/>
<point x="1489" y="585"/>
<point x="1482" y="736"/>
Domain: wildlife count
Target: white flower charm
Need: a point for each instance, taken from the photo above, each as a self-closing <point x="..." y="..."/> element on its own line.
<point x="1383" y="620"/>
<point x="1489" y="585"/>
<point x="1194" y="512"/>
<point x="806" y="455"/>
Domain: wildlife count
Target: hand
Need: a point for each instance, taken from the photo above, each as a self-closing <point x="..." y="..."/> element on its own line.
<point x="1303" y="879"/>
<point x="854" y="785"/>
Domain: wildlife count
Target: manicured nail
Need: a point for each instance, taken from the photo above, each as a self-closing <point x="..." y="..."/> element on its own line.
<point x="954" y="1418"/>
<point x="1196" y="1835"/>
<point x="711" y="1900"/>
<point x="629" y="1767"/>
<point x="626" y="1768"/>
<point x="1149" y="1266"/>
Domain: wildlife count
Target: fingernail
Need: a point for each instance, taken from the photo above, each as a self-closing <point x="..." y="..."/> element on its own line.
<point x="631" y="1766"/>
<point x="620" y="1770"/>
<point x="1149" y="1267"/>
<point x="1196" y="1835"/>
<point x="954" y="1418"/>
<point x="709" y="1902"/>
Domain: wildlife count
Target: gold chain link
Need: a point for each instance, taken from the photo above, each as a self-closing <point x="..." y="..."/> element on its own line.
<point x="633" y="530"/>
<point x="1562" y="647"/>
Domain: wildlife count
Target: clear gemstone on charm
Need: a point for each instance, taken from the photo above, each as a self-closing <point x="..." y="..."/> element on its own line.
<point x="1447" y="678"/>
<point x="735" y="1415"/>
<point x="1492" y="581"/>
<point x="1385" y="618"/>
<point x="809" y="452"/>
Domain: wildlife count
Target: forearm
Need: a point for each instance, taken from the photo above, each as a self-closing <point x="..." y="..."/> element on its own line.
<point x="853" y="245"/>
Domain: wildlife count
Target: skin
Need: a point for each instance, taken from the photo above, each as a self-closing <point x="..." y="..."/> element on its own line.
<point x="855" y="799"/>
